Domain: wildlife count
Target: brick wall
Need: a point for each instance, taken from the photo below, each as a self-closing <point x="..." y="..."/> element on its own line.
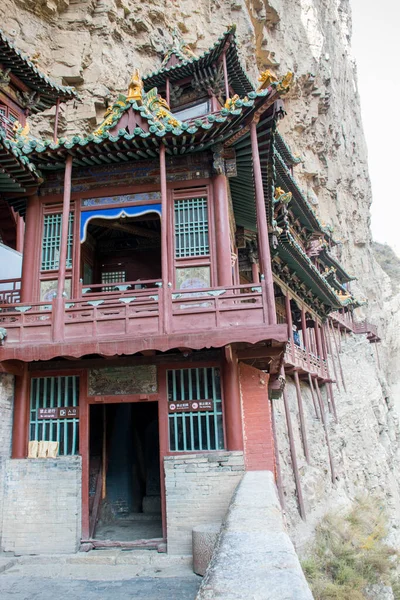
<point x="256" y="414"/>
<point x="199" y="488"/>
<point x="6" y="412"/>
<point x="42" y="505"/>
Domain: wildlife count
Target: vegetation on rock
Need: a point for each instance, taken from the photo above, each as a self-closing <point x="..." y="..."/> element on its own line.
<point x="350" y="553"/>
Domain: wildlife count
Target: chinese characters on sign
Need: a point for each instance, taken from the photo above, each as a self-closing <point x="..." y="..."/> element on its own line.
<point x="190" y="406"/>
<point x="65" y="412"/>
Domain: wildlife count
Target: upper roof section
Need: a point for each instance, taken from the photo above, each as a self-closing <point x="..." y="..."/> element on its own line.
<point x="180" y="63"/>
<point x="42" y="92"/>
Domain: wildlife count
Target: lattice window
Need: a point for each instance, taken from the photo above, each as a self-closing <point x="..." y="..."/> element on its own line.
<point x="191" y="427"/>
<point x="54" y="394"/>
<point x="113" y="276"/>
<point x="52" y="240"/>
<point x="191" y="228"/>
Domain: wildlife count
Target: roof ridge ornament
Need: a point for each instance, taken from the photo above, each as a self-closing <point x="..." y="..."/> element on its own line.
<point x="178" y="47"/>
<point x="135" y="88"/>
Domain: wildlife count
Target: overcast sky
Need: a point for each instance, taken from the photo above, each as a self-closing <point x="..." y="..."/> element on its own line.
<point x="376" y="48"/>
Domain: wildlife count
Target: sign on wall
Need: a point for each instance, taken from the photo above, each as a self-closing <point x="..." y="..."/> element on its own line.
<point x="116" y="381"/>
<point x="190" y="406"/>
<point x="63" y="412"/>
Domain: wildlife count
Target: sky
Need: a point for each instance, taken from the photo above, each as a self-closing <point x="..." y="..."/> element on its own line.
<point x="376" y="49"/>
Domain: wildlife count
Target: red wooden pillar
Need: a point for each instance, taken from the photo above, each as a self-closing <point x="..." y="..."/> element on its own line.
<point x="290" y="323"/>
<point x="20" y="232"/>
<point x="318" y="340"/>
<point x="58" y="302"/>
<point x="304" y="334"/>
<point x="21" y="415"/>
<point x="167" y="91"/>
<point x="232" y="405"/>
<point x="301" y="415"/>
<point x="293" y="456"/>
<point x="279" y="484"/>
<point x="262" y="226"/>
<point x="31" y="243"/>
<point x="222" y="233"/>
<point x="255" y="272"/>
<point x="164" y="239"/>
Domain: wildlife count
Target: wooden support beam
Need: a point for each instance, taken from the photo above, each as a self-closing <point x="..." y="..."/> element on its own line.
<point x="279" y="484"/>
<point x="294" y="457"/>
<point x="338" y="356"/>
<point x="223" y="244"/>
<point x="332" y="399"/>
<point x="323" y="418"/>
<point x="327" y="339"/>
<point x="232" y="404"/>
<point x="301" y="415"/>
<point x="313" y="395"/>
<point x="261" y="352"/>
<point x="21" y="415"/>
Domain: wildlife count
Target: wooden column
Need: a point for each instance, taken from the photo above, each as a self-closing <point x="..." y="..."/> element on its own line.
<point x="222" y="233"/>
<point x="255" y="272"/>
<point x="304" y="335"/>
<point x="290" y="324"/>
<point x="338" y="356"/>
<point x="301" y="415"/>
<point x="294" y="457"/>
<point x="31" y="242"/>
<point x="327" y="343"/>
<point x="58" y="302"/>
<point x="318" y="340"/>
<point x="313" y="396"/>
<point x="323" y="418"/>
<point x="262" y="226"/>
<point x="167" y="91"/>
<point x="232" y="405"/>
<point x="21" y="415"/>
<point x="20" y="227"/>
<point x="166" y="305"/>
<point x="62" y="264"/>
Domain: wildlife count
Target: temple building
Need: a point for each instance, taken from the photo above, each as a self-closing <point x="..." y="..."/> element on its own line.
<point x="174" y="275"/>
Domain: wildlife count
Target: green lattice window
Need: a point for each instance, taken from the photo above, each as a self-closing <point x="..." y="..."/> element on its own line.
<point x="52" y="239"/>
<point x="191" y="228"/>
<point x="49" y="422"/>
<point x="191" y="426"/>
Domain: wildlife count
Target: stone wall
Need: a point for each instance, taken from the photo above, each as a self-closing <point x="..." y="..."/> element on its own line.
<point x="42" y="506"/>
<point x="254" y="557"/>
<point x="6" y="413"/>
<point x="199" y="488"/>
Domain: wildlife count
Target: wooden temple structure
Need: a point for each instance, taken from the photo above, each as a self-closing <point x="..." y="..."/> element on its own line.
<point x="170" y="261"/>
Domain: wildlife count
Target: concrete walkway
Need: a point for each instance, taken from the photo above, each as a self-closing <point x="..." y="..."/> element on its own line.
<point x="99" y="575"/>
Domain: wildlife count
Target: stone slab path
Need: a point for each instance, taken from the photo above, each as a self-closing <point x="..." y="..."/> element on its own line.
<point x="100" y="575"/>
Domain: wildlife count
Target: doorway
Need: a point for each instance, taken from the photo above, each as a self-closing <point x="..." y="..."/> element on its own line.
<point x="124" y="472"/>
<point x="121" y="251"/>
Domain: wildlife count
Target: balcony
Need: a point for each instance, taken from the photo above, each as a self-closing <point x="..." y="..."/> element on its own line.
<point x="306" y="362"/>
<point x="369" y="329"/>
<point x="125" y="321"/>
<point x="343" y="320"/>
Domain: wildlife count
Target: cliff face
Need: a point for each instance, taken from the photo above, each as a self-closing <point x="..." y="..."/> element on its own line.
<point x="95" y="46"/>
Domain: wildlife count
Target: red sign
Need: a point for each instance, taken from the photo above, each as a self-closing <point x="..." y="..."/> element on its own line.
<point x="64" y="412"/>
<point x="190" y="406"/>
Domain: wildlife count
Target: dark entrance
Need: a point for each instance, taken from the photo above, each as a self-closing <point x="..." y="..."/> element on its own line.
<point x="124" y="482"/>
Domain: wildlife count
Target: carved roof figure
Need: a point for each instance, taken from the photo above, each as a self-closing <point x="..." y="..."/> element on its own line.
<point x="178" y="51"/>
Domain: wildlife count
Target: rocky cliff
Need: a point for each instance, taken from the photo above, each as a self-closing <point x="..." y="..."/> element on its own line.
<point x="95" y="45"/>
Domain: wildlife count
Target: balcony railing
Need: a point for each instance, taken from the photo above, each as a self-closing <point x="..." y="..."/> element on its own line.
<point x="134" y="313"/>
<point x="10" y="290"/>
<point x="308" y="362"/>
<point x="343" y="319"/>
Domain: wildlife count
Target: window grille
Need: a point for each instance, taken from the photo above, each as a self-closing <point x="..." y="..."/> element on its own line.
<point x="195" y="429"/>
<point x="112" y="277"/>
<point x="55" y="392"/>
<point x="191" y="228"/>
<point x="52" y="240"/>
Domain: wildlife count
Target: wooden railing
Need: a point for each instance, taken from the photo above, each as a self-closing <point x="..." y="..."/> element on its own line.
<point x="299" y="357"/>
<point x="96" y="289"/>
<point x="135" y="313"/>
<point x="10" y="290"/>
<point x="343" y="319"/>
